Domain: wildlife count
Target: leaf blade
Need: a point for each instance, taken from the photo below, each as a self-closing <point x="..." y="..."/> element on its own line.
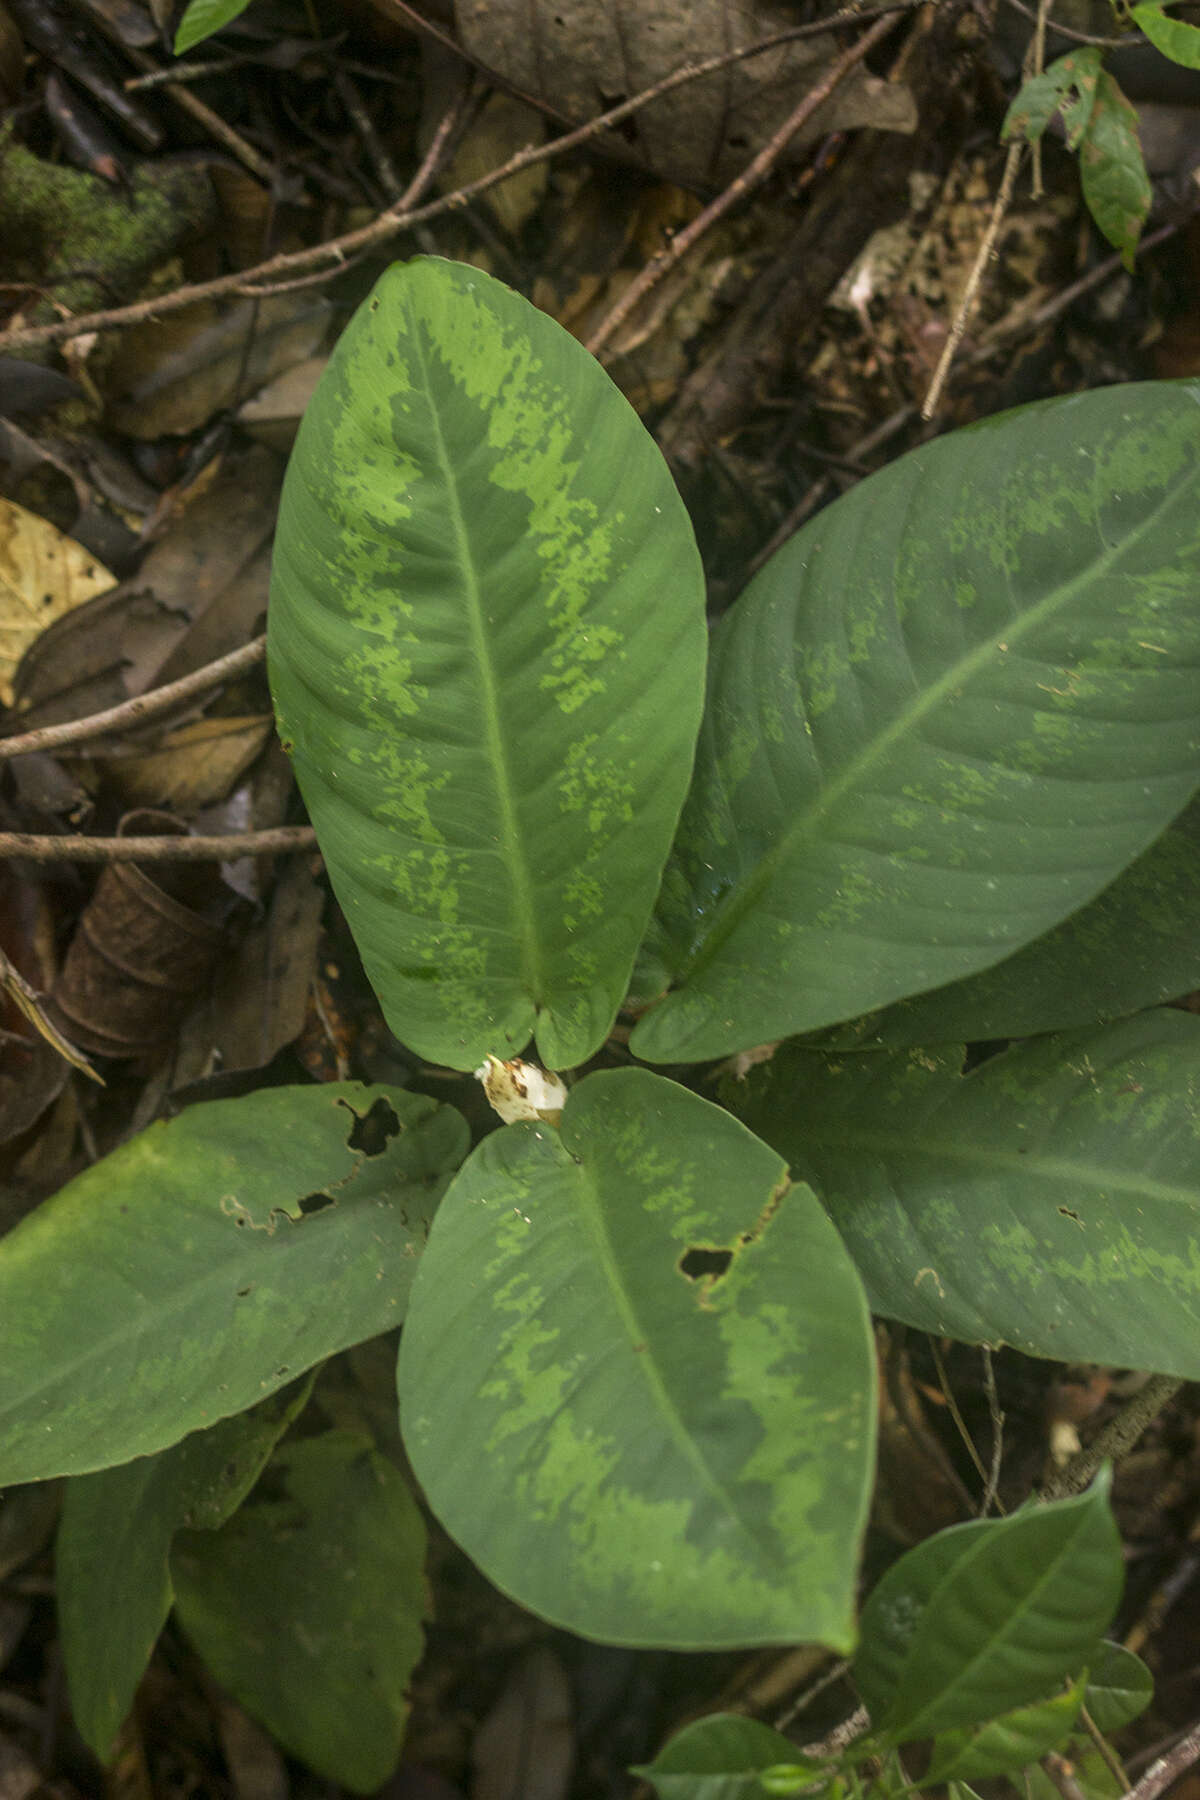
<point x="941" y="719"/>
<point x="180" y="1279"/>
<point x="1049" y="1199"/>
<point x="492" y="729"/>
<point x="720" y="1406"/>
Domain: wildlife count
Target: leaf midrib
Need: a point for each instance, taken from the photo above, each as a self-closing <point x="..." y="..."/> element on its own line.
<point x="512" y="843"/>
<point x="749" y="893"/>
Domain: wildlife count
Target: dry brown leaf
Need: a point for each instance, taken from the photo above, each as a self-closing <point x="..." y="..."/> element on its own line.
<point x="196" y="766"/>
<point x="43" y="576"/>
<point x="501" y="128"/>
<point x="582" y="56"/>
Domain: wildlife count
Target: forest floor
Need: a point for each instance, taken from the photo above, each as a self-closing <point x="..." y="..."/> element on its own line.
<point x="789" y="300"/>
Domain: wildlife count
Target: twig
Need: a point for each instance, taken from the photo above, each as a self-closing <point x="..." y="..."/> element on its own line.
<point x="139" y="709"/>
<point x="281" y="839"/>
<point x="954" y="339"/>
<point x="952" y="1406"/>
<point x="1107" y="1754"/>
<point x="1162" y="1773"/>
<point x="1079" y="37"/>
<point x="204" y="115"/>
<point x="750" y="177"/>
<point x="1001" y="334"/>
<point x="991" y="1491"/>
<point x="1118" y="1436"/>
<point x="400" y="218"/>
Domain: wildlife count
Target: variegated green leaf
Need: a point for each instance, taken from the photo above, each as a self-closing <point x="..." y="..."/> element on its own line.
<point x="486" y="650"/>
<point x="636" y="1378"/>
<point x="941" y="719"/>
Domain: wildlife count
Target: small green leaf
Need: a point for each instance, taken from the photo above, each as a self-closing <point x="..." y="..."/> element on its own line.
<point x="1112" y="169"/>
<point x="1005" y="1745"/>
<point x="1068" y="85"/>
<point x="308" y="1606"/>
<point x="487" y="644"/>
<point x="1050" y="1199"/>
<point x="636" y="1378"/>
<point x="202" y="18"/>
<point x="721" y="1758"/>
<point x="208" y="1262"/>
<point x="987" y="1617"/>
<point x="1119" y="1687"/>
<point x="1174" y="37"/>
<point x="112" y="1573"/>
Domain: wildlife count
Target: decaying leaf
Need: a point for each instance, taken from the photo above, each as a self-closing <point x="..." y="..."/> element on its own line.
<point x="43" y="575"/>
<point x="582" y="56"/>
<point x="520" y="1090"/>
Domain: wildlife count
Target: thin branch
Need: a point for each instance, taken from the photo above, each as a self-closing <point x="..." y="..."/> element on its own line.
<point x="283" y="840"/>
<point x="751" y="177"/>
<point x="399" y="218"/>
<point x="1168" y="1768"/>
<point x="138" y="710"/>
<point x="991" y="1493"/>
<point x="1118" y="1436"/>
<point x="1007" y="182"/>
<point x="1078" y="37"/>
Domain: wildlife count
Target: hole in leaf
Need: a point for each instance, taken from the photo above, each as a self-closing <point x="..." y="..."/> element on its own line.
<point x="314" y="1203"/>
<point x="374" y="1130"/>
<point x="701" y="1260"/>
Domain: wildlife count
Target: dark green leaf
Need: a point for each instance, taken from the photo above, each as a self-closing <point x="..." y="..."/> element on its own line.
<point x="1119" y="1687"/>
<point x="112" y="1575"/>
<point x="1050" y="1199"/>
<point x="1005" y="1745"/>
<point x="308" y="1607"/>
<point x="1136" y="944"/>
<point x="637" y="1377"/>
<point x="942" y="719"/>
<point x="717" y="1758"/>
<point x="209" y="1261"/>
<point x="1112" y="168"/>
<point x="487" y="648"/>
<point x="987" y="1617"/>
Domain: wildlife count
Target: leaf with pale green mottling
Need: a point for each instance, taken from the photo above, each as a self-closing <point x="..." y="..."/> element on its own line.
<point x="208" y="1262"/>
<point x="307" y="1604"/>
<point x="1050" y="1199"/>
<point x="986" y="1617"/>
<point x="940" y="720"/>
<point x="636" y="1377"/>
<point x="1136" y="945"/>
<point x="111" y="1565"/>
<point x="486" y="644"/>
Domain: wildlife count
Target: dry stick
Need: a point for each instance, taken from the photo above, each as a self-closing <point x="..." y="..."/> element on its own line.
<point x="1080" y="37"/>
<point x="281" y="839"/>
<point x="1001" y="335"/>
<point x="212" y="121"/>
<point x="750" y="177"/>
<point x="141" y="708"/>
<point x="335" y="250"/>
<point x="1162" y="1773"/>
<point x="1007" y="183"/>
<point x="1118" y="1436"/>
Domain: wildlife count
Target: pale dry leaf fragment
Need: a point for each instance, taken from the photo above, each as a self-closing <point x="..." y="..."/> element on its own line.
<point x="28" y="1003"/>
<point x="520" y="1090"/>
<point x="43" y="575"/>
